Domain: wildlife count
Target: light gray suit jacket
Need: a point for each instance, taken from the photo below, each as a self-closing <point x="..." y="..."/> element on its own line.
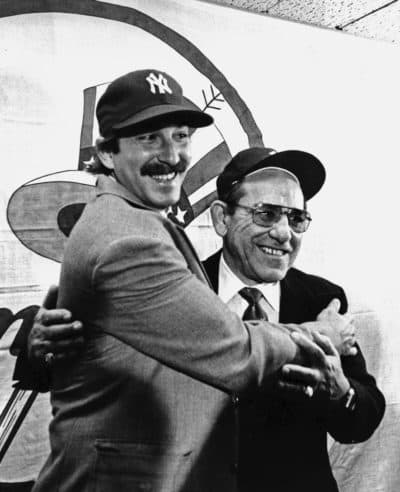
<point x="146" y="406"/>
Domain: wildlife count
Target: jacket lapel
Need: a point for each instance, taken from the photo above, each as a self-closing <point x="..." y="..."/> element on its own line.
<point x="211" y="266"/>
<point x="185" y="246"/>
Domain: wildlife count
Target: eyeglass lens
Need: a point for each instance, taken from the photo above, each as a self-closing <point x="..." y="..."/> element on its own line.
<point x="268" y="215"/>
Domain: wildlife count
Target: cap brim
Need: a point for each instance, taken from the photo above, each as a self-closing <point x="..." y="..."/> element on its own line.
<point x="187" y="114"/>
<point x="307" y="168"/>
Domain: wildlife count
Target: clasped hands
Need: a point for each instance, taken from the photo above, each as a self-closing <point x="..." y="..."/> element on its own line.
<point x="55" y="336"/>
<point x="321" y="343"/>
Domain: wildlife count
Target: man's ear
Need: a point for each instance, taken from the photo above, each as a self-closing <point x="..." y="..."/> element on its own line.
<point x="106" y="158"/>
<point x="219" y="216"/>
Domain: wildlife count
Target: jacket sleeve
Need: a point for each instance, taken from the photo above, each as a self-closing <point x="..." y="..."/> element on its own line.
<point x="28" y="376"/>
<point x="147" y="297"/>
<point x="357" y="424"/>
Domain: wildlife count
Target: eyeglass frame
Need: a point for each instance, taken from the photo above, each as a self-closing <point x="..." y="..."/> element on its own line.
<point x="256" y="209"/>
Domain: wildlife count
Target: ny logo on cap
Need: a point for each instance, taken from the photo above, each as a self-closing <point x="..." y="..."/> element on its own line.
<point x="161" y="83"/>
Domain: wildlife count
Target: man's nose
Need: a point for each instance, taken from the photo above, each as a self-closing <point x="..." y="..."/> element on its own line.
<point x="169" y="152"/>
<point x="281" y="230"/>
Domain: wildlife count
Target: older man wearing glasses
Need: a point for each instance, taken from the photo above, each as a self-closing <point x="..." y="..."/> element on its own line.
<point x="261" y="216"/>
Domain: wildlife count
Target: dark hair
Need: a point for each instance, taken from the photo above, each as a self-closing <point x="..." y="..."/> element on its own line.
<point x="152" y="125"/>
<point x="232" y="197"/>
<point x="97" y="166"/>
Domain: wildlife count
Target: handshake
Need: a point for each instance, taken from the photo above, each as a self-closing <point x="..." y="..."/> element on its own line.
<point x="321" y="343"/>
<point x="316" y="367"/>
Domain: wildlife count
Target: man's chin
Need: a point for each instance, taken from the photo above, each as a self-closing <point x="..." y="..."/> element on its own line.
<point x="274" y="276"/>
<point x="165" y="202"/>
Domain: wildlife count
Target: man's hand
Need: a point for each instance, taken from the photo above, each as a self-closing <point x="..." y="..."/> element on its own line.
<point x="54" y="332"/>
<point x="323" y="373"/>
<point x="339" y="328"/>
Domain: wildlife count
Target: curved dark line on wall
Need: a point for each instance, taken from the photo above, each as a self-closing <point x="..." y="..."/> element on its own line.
<point x="9" y="221"/>
<point x="202" y="205"/>
<point x="10" y="204"/>
<point x="207" y="168"/>
<point x="129" y="15"/>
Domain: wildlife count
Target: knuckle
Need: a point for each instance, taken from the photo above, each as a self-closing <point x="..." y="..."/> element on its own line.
<point x="41" y="315"/>
<point x="38" y="319"/>
<point x="35" y="345"/>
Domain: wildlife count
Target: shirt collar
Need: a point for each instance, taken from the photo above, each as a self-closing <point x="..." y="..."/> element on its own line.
<point x="229" y="285"/>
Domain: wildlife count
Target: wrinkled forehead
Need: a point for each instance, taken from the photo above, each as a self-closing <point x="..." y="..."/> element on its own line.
<point x="273" y="185"/>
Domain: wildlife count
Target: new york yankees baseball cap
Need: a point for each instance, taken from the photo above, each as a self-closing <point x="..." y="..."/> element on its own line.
<point x="145" y="96"/>
<point x="308" y="170"/>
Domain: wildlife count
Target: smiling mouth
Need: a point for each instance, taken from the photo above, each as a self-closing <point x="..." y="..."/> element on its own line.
<point x="272" y="251"/>
<point x="164" y="178"/>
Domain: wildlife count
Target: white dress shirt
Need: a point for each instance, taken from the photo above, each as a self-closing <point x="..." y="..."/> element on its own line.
<point x="229" y="286"/>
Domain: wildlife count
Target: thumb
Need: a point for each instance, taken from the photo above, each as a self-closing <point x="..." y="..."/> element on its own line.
<point x="333" y="306"/>
<point x="50" y="301"/>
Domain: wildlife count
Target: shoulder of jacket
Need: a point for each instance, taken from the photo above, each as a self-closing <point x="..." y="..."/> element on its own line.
<point x="319" y="284"/>
<point x="110" y="219"/>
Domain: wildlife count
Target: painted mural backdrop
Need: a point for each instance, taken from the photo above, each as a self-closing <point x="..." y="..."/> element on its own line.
<point x="264" y="81"/>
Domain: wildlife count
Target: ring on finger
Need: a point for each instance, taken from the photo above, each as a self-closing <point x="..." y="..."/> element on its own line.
<point x="49" y="358"/>
<point x="308" y="391"/>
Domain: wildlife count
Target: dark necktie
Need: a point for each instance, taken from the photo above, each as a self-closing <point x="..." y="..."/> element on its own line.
<point x="246" y="411"/>
<point x="254" y="309"/>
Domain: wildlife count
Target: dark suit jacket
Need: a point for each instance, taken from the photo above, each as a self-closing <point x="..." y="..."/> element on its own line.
<point x="283" y="443"/>
<point x="146" y="405"/>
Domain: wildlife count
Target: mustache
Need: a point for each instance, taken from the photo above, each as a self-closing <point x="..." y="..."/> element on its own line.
<point x="150" y="169"/>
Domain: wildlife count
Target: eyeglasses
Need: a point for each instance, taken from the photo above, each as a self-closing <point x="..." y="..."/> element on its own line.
<point x="266" y="215"/>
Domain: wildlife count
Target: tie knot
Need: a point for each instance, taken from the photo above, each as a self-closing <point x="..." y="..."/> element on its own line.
<point x="251" y="295"/>
<point x="254" y="310"/>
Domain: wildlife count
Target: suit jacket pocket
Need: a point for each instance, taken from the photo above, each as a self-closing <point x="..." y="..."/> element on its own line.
<point x="125" y="466"/>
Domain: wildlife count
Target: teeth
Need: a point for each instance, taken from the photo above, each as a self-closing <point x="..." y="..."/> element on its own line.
<point x="272" y="251"/>
<point x="164" y="177"/>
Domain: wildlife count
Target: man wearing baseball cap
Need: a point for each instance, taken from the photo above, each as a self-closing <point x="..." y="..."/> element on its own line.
<point x="144" y="406"/>
<point x="261" y="215"/>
